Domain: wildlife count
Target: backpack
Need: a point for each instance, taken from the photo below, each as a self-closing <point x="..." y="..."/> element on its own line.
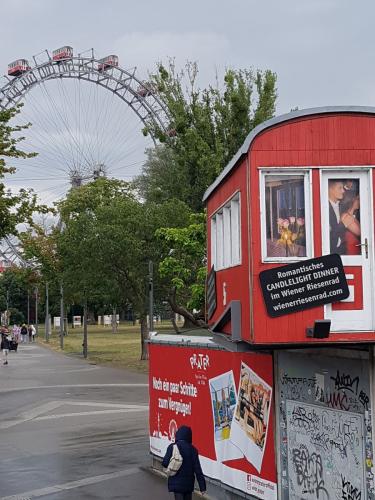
<point x="24" y="330"/>
<point x="175" y="462"/>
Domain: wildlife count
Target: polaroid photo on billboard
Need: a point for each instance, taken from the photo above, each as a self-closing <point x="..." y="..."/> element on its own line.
<point x="223" y="404"/>
<point x="250" y="422"/>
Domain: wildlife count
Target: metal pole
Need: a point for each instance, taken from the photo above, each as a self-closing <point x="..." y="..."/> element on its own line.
<point x="85" y="329"/>
<point x="36" y="310"/>
<point x="114" y="320"/>
<point x="7" y="313"/>
<point x="28" y="307"/>
<point x="61" y="316"/>
<point x="47" y="315"/>
<point x="151" y="297"/>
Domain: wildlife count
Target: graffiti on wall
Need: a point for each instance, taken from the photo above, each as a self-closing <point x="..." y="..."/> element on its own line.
<point x="325" y="428"/>
<point x="323" y="443"/>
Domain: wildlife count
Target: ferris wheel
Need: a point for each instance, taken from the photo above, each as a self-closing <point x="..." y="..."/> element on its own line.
<point x="87" y="115"/>
<point x="80" y="130"/>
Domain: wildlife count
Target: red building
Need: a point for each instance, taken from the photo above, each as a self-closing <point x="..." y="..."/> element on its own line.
<point x="280" y="396"/>
<point x="272" y="206"/>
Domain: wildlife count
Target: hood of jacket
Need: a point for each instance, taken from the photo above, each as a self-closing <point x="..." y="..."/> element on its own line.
<point x="184" y="433"/>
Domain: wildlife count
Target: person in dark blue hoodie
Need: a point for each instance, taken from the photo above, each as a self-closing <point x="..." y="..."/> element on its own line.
<point x="182" y="484"/>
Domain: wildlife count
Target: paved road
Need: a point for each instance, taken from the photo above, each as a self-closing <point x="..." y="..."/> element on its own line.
<point x="71" y="430"/>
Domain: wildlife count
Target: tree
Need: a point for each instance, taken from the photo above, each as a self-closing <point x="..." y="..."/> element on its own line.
<point x="207" y="128"/>
<point x="15" y="283"/>
<point x="14" y="208"/>
<point x="107" y="242"/>
<point x="162" y="178"/>
<point x="82" y="244"/>
<point x="184" y="268"/>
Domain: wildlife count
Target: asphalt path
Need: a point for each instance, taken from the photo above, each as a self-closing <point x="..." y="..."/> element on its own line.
<point x="72" y="430"/>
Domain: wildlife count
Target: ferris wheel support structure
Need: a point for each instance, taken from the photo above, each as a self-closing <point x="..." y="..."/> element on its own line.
<point x="10" y="254"/>
<point x="135" y="93"/>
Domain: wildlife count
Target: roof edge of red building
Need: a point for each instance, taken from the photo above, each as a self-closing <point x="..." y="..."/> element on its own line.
<point x="276" y="121"/>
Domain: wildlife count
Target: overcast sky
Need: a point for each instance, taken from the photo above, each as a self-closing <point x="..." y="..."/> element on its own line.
<point x="321" y="50"/>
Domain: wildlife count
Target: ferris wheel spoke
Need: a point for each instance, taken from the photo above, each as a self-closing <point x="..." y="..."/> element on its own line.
<point x="124" y="157"/>
<point x="25" y="164"/>
<point x="64" y="99"/>
<point x="67" y="128"/>
<point x="60" y="193"/>
<point x="117" y="135"/>
<point x="128" y="165"/>
<point x="89" y="124"/>
<point x="38" y="179"/>
<point x="41" y="133"/>
<point x="48" y="159"/>
<point x="132" y="148"/>
<point x="49" y="123"/>
<point x="41" y="167"/>
<point x="45" y="162"/>
<point x="85" y="121"/>
<point x="125" y="151"/>
<point x="45" y="123"/>
<point x="73" y="126"/>
<point x="81" y="127"/>
<point x="98" y="121"/>
<point x="103" y="126"/>
<point x="51" y="188"/>
<point x="125" y="170"/>
<point x="82" y="111"/>
<point x="49" y="152"/>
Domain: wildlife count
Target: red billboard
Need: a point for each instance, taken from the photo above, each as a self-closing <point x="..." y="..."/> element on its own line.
<point x="227" y="400"/>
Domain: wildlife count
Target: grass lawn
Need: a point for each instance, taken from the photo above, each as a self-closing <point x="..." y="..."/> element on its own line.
<point x="122" y="349"/>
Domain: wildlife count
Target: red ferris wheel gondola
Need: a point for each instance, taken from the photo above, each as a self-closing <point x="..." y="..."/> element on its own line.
<point x="108" y="62"/>
<point x="16" y="68"/>
<point x="62" y="53"/>
<point x="146" y="89"/>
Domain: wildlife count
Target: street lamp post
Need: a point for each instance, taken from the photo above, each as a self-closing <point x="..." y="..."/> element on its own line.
<point x="151" y="297"/>
<point x="61" y="316"/>
<point x="7" y="313"/>
<point x="85" y="329"/>
<point x="28" y="307"/>
<point x="47" y="315"/>
<point x="36" y="310"/>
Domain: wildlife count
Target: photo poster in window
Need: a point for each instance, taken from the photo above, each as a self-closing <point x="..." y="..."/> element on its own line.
<point x="285" y="216"/>
<point x="344" y="216"/>
<point x="250" y="423"/>
<point x="223" y="403"/>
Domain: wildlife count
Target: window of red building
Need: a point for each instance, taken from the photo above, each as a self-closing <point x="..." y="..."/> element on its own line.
<point x="286" y="208"/>
<point x="226" y="235"/>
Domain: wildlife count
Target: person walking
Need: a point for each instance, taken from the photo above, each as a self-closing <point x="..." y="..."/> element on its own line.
<point x="16" y="333"/>
<point x="33" y="332"/>
<point x="30" y="332"/>
<point x="24" y="333"/>
<point x="5" y="346"/>
<point x="182" y="483"/>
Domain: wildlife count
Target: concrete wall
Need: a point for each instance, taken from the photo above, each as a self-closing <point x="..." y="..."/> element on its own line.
<point x="324" y="425"/>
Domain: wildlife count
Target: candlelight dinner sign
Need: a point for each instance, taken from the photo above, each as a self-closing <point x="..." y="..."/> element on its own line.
<point x="303" y="285"/>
